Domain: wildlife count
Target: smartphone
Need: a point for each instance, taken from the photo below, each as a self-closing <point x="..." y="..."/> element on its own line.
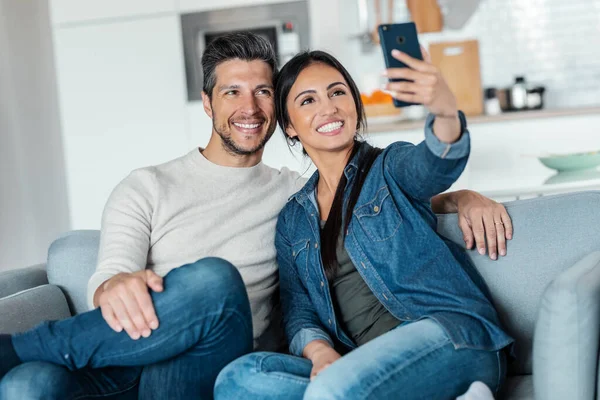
<point x="402" y="37"/>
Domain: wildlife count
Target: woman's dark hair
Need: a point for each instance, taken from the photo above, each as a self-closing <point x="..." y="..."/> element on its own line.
<point x="245" y="46"/>
<point x="336" y="219"/>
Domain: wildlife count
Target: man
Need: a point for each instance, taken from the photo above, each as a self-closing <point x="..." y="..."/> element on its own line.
<point x="169" y="311"/>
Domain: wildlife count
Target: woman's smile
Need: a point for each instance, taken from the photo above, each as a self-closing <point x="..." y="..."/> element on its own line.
<point x="331" y="128"/>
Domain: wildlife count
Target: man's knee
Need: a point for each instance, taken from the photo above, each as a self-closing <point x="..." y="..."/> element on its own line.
<point x="213" y="283"/>
<point x="210" y="275"/>
<point x="33" y="381"/>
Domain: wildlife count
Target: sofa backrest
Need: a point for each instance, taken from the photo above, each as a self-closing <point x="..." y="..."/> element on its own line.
<point x="550" y="235"/>
<point x="71" y="262"/>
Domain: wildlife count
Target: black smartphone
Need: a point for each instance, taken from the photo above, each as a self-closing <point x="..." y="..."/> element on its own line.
<point x="402" y="37"/>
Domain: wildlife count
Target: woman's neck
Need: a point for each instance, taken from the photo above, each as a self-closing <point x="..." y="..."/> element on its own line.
<point x="331" y="166"/>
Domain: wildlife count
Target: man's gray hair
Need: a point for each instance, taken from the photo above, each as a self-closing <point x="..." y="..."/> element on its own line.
<point x="244" y="46"/>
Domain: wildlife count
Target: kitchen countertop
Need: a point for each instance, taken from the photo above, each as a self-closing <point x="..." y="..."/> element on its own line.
<point x="405" y="124"/>
<point x="514" y="184"/>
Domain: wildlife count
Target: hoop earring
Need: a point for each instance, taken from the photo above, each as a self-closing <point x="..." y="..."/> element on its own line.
<point x="290" y="141"/>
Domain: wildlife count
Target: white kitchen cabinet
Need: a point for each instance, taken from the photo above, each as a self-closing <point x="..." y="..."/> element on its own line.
<point x="73" y="11"/>
<point x="122" y="99"/>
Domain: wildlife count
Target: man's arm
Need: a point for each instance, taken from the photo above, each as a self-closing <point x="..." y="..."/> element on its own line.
<point x="120" y="284"/>
<point x="479" y="218"/>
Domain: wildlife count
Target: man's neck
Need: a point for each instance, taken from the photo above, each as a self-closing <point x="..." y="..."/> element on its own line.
<point x="217" y="154"/>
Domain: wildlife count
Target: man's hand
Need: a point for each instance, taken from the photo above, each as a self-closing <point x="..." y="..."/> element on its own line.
<point x="126" y="303"/>
<point x="481" y="218"/>
<point x="322" y="356"/>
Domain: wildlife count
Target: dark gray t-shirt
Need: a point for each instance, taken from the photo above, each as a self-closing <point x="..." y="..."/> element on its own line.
<point x="362" y="315"/>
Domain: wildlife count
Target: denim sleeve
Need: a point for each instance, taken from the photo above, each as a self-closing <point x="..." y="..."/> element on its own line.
<point x="300" y="318"/>
<point x="429" y="168"/>
<point x="304" y="337"/>
<point x="451" y="151"/>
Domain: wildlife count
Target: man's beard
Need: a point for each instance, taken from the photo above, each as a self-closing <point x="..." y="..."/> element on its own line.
<point x="232" y="147"/>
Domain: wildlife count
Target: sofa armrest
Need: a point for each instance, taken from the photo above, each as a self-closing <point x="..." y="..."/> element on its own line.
<point x="16" y="280"/>
<point x="567" y="332"/>
<point x="26" y="309"/>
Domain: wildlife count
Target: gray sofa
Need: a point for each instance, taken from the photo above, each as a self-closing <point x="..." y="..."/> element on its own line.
<point x="546" y="289"/>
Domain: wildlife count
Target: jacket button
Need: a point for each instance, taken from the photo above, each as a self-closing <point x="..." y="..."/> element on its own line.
<point x="376" y="208"/>
<point x="329" y="322"/>
<point x="293" y="254"/>
<point x="322" y="284"/>
<point x="316" y="245"/>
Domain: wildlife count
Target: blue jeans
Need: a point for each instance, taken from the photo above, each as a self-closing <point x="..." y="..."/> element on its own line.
<point x="414" y="361"/>
<point x="205" y="323"/>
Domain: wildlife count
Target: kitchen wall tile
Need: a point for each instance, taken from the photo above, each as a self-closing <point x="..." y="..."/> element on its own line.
<point x="554" y="43"/>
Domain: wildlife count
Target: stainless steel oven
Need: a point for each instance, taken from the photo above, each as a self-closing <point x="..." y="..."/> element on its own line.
<point x="284" y="25"/>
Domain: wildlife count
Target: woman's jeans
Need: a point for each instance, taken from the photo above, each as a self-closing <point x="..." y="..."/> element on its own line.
<point x="413" y="361"/>
<point x="205" y="323"/>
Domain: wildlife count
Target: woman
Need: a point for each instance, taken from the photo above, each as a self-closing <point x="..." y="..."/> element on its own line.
<point x="376" y="305"/>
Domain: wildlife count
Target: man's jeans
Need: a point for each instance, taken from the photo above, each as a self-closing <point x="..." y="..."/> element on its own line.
<point x="414" y="361"/>
<point x="205" y="322"/>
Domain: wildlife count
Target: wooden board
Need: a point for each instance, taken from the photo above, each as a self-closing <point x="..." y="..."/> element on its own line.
<point x="459" y="64"/>
<point x="426" y="14"/>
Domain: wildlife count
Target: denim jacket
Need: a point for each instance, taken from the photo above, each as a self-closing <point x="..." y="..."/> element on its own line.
<point x="392" y="241"/>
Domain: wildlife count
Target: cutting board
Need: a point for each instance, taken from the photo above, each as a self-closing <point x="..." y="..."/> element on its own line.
<point x="459" y="64"/>
<point x="426" y="14"/>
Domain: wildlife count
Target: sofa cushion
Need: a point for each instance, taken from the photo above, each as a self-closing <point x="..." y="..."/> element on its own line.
<point x="24" y="310"/>
<point x="550" y="235"/>
<point x="565" y="350"/>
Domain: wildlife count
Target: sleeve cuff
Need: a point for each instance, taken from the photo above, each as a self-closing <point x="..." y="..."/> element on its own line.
<point x="450" y="151"/>
<point x="304" y="337"/>
<point x="94" y="283"/>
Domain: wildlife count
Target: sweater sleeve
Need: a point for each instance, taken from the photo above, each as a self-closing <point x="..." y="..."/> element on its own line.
<point x="125" y="229"/>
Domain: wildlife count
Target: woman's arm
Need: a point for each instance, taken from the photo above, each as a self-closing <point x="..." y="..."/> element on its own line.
<point x="479" y="217"/>
<point x="300" y="319"/>
<point x="429" y="168"/>
<point x="425" y="85"/>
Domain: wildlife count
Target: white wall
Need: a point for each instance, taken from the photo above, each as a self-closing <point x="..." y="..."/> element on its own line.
<point x="122" y="93"/>
<point x="109" y="40"/>
<point x="33" y="201"/>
